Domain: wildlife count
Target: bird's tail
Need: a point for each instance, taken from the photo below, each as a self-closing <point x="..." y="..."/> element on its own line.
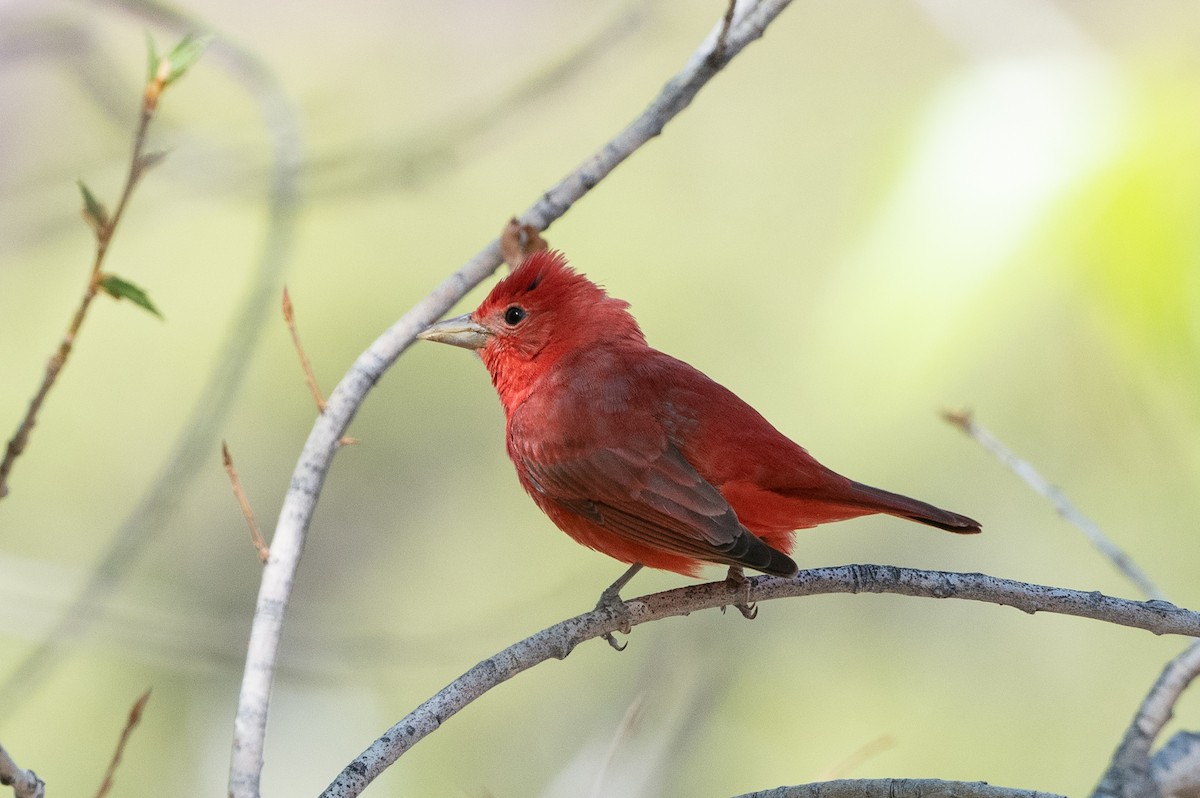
<point x="882" y="501"/>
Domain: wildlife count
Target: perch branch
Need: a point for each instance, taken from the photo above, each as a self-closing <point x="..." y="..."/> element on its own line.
<point x="559" y="640"/>
<point x="246" y="759"/>
<point x="897" y="788"/>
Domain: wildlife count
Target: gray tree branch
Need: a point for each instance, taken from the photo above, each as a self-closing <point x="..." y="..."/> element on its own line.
<point x="1132" y="773"/>
<point x="897" y="788"/>
<point x="728" y="38"/>
<point x="25" y="783"/>
<point x="559" y="640"/>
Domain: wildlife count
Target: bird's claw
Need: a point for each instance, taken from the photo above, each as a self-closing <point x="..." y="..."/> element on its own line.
<point x="741" y="586"/>
<point x="748" y="611"/>
<point x="612" y="641"/>
<point x="610" y="600"/>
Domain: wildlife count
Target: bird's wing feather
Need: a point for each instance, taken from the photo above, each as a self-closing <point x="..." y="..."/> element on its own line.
<point x="653" y="498"/>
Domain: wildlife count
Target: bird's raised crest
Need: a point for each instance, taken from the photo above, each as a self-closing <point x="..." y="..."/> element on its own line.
<point x="545" y="285"/>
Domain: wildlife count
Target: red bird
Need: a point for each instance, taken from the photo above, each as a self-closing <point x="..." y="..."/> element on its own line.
<point x="638" y="455"/>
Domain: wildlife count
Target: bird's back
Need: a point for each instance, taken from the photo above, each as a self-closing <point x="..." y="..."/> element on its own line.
<point x="773" y="484"/>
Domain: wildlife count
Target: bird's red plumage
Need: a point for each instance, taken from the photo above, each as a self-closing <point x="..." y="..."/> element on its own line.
<point x="638" y="455"/>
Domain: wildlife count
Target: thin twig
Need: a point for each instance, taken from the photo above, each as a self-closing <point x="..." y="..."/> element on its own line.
<point x="189" y="454"/>
<point x="135" y="716"/>
<point x="104" y="226"/>
<point x="304" y="490"/>
<point x="256" y="537"/>
<point x="898" y="788"/>
<point x="290" y="317"/>
<point x="561" y="639"/>
<point x="967" y="423"/>
<point x="1130" y="774"/>
<point x="25" y="783"/>
<point x="718" y="51"/>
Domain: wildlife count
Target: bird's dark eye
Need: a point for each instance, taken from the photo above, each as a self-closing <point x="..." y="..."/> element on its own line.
<point x="514" y="315"/>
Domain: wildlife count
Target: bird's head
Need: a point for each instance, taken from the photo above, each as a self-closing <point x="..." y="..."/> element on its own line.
<point x="541" y="311"/>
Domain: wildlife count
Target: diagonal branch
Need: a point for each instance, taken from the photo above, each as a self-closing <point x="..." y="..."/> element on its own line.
<point x="559" y="640"/>
<point x="1053" y="494"/>
<point x="288" y="541"/>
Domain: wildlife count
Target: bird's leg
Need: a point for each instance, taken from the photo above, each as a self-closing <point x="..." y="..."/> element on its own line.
<point x="610" y="599"/>
<point x="611" y="596"/>
<point x="737" y="580"/>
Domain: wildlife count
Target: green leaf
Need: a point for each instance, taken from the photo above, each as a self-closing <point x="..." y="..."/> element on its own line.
<point x="186" y="53"/>
<point x="117" y="288"/>
<point x="94" y="212"/>
<point x="151" y="58"/>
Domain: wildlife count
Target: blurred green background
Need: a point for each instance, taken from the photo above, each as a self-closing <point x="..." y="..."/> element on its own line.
<point x="879" y="211"/>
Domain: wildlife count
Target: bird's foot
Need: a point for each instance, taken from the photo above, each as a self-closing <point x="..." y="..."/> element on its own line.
<point x="741" y="587"/>
<point x="610" y="599"/>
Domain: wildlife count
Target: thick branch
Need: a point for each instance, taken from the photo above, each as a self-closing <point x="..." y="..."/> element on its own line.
<point x="897" y="788"/>
<point x="1130" y="774"/>
<point x="309" y="476"/>
<point x="25" y="783"/>
<point x="559" y="640"/>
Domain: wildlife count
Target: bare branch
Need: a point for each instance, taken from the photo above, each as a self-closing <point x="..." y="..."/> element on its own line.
<point x="25" y="783"/>
<point x="256" y="537"/>
<point x="289" y="316"/>
<point x="1176" y="766"/>
<point x="105" y="226"/>
<point x="135" y="717"/>
<point x="897" y="788"/>
<point x="559" y="640"/>
<point x="967" y="423"/>
<point x="246" y="760"/>
<point x="192" y="450"/>
<point x="1130" y="774"/>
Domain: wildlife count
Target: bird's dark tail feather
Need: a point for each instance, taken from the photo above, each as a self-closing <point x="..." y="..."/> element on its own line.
<point x="882" y="501"/>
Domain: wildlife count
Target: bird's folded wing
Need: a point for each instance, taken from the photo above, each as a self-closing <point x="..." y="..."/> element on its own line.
<point x="657" y="499"/>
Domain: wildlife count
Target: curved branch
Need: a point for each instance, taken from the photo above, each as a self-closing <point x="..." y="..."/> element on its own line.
<point x="559" y="640"/>
<point x="897" y="788"/>
<point x="727" y="39"/>
<point x="1131" y="772"/>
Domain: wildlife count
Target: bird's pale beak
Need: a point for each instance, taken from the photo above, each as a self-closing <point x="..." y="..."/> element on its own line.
<point x="458" y="331"/>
